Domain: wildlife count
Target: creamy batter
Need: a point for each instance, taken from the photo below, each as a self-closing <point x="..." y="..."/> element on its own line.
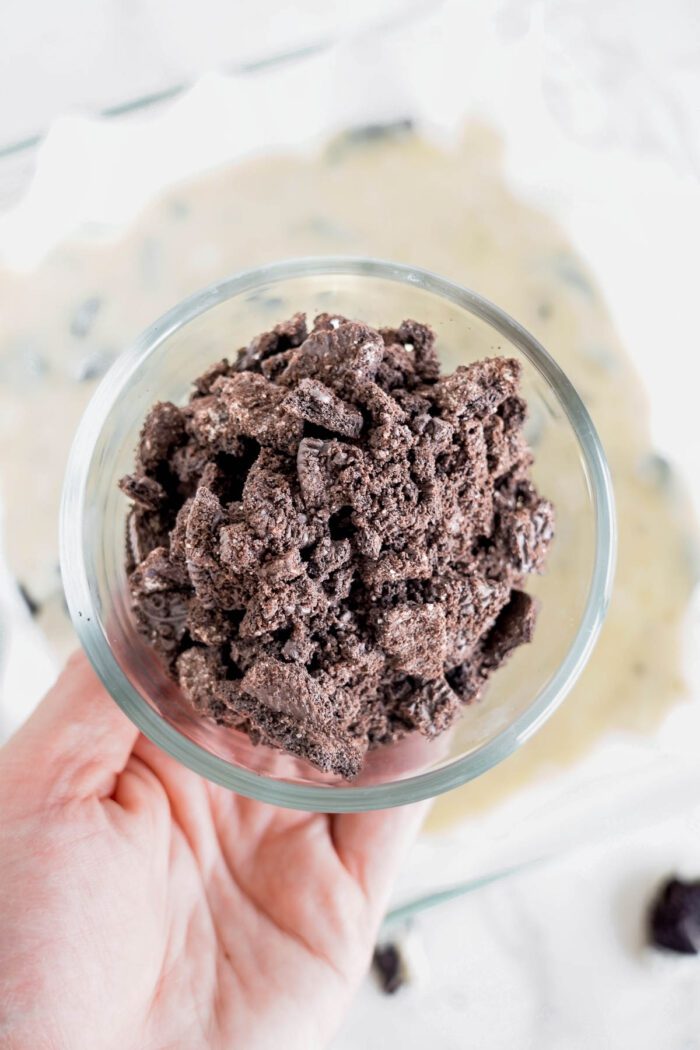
<point x="391" y="196"/>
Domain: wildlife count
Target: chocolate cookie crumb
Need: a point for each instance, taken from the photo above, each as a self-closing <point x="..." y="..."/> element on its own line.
<point x="327" y="545"/>
<point x="143" y="490"/>
<point x="674" y="917"/>
<point x="388" y="966"/>
<point x="316" y="403"/>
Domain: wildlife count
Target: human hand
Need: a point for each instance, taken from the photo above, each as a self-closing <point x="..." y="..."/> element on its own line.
<point x="143" y="907"/>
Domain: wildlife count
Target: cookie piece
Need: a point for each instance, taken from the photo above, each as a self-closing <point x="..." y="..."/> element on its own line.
<point x="328" y="543"/>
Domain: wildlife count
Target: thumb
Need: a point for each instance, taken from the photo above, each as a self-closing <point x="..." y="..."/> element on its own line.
<point x="373" y="845"/>
<point x="75" y="743"/>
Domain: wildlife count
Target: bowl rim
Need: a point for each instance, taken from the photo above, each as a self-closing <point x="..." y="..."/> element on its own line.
<point x="331" y="799"/>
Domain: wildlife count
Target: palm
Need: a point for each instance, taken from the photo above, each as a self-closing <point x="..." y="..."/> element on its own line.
<point x="203" y="919"/>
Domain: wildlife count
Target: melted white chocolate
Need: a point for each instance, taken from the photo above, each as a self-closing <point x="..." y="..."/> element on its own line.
<point x="399" y="198"/>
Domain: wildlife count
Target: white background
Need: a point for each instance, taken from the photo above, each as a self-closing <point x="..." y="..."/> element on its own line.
<point x="87" y="55"/>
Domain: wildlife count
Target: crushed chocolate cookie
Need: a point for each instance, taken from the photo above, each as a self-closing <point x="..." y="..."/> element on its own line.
<point x="142" y="490"/>
<point x="674" y="917"/>
<point x="314" y="402"/>
<point x="388" y="966"/>
<point x="327" y="545"/>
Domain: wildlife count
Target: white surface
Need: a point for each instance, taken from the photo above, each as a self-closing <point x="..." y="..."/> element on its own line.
<point x="550" y="960"/>
<point x="595" y="109"/>
<point x="83" y="56"/>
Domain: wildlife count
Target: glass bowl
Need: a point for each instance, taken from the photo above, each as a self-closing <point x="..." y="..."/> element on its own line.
<point x="570" y="469"/>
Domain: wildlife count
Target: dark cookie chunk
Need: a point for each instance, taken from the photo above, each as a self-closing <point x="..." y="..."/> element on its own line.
<point x="158" y="572"/>
<point x="208" y="420"/>
<point x="283" y="337"/>
<point x="506" y="447"/>
<point x="420" y="339"/>
<point x="188" y="464"/>
<point x="145" y="529"/>
<point x="178" y="535"/>
<point x="240" y="550"/>
<point x="142" y="490"/>
<point x="477" y="389"/>
<point x="327" y="322"/>
<point x="412" y="563"/>
<point x="383" y="409"/>
<point x="314" y="402"/>
<point x="299" y="647"/>
<point x="431" y="707"/>
<point x="273" y="508"/>
<point x="312" y="481"/>
<point x="201" y="674"/>
<point x="514" y="626"/>
<point x="414" y="638"/>
<point x="162" y="432"/>
<point x="278" y="604"/>
<point x="328" y="555"/>
<point x="674" y="917"/>
<point x="327" y="544"/>
<point x="288" y="689"/>
<point x="211" y="583"/>
<point x="417" y="341"/>
<point x="513" y="412"/>
<point x="161" y="617"/>
<point x="389" y="967"/>
<point x="524" y="528"/>
<point x="254" y="409"/>
<point x="331" y="474"/>
<point x="397" y="372"/>
<point x="330" y="750"/>
<point x="338" y="357"/>
<point x="206" y="625"/>
<point x="203" y="384"/>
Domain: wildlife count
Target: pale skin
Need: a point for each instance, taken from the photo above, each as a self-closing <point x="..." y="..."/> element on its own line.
<point x="143" y="907"/>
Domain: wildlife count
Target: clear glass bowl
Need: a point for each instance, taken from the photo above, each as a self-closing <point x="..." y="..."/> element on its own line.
<point x="570" y="470"/>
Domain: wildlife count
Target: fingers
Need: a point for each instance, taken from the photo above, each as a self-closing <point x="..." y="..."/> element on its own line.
<point x="76" y="741"/>
<point x="372" y="846"/>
